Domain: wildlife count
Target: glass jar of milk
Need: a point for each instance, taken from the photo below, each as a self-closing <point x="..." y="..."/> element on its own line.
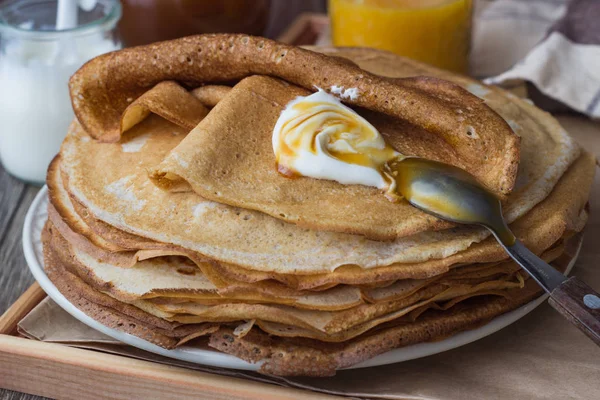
<point x="42" y="43"/>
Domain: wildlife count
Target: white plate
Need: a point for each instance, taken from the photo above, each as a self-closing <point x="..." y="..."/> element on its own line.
<point x="32" y="246"/>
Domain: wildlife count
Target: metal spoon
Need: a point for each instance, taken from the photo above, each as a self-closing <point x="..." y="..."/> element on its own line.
<point x="453" y="194"/>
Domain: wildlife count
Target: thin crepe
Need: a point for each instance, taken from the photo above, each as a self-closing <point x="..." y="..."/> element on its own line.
<point x="101" y="88"/>
<point x="229" y="155"/>
<point x="297" y="356"/>
<point x="210" y="95"/>
<point x="306" y="357"/>
<point x="170" y="101"/>
<point x="178" y="277"/>
<point x="175" y="280"/>
<point x="129" y="265"/>
<point x="327" y="325"/>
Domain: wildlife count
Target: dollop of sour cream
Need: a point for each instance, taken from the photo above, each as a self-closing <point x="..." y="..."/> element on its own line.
<point x="319" y="137"/>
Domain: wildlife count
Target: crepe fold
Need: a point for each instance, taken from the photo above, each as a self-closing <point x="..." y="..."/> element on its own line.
<point x="183" y="289"/>
<point x="101" y="88"/>
<point x="167" y="219"/>
<point x="228" y="158"/>
<point x="176" y="277"/>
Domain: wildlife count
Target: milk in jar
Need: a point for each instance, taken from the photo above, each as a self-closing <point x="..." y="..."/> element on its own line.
<point x="37" y="57"/>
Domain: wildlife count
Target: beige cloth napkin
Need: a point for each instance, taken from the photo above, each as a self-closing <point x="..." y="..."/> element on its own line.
<point x="539" y="357"/>
<point x="552" y="44"/>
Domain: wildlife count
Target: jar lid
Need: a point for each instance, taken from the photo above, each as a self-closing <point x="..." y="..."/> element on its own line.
<point x="36" y="19"/>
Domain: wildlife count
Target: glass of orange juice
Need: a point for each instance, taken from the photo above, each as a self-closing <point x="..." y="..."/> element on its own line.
<point x="437" y="32"/>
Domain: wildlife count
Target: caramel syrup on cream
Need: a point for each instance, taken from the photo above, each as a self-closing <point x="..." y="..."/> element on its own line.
<point x="319" y="137"/>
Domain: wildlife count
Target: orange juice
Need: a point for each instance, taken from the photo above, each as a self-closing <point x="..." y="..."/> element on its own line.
<point x="434" y="31"/>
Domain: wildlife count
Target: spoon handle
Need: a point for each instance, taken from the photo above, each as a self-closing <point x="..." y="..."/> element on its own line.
<point x="580" y="304"/>
<point x="575" y="300"/>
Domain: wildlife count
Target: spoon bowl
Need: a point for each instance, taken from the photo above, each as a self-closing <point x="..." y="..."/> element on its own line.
<point x="450" y="193"/>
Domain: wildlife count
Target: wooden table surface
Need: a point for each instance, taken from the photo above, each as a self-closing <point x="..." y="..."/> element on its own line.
<point x="15" y="278"/>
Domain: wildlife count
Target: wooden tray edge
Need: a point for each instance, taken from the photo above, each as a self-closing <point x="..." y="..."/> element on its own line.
<point x="59" y="371"/>
<point x="28" y="300"/>
<point x="64" y="372"/>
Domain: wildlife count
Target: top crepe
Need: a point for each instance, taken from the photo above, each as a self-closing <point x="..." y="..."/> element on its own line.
<point x="228" y="158"/>
<point x="259" y="242"/>
<point x="103" y="88"/>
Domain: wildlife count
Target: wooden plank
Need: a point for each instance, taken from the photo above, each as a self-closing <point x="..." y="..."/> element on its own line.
<point x="25" y="303"/>
<point x="11" y="193"/>
<point x="10" y="395"/>
<point x="580" y="304"/>
<point x="15" y="277"/>
<point x="69" y="373"/>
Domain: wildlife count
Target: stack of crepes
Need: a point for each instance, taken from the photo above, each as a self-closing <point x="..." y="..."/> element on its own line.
<point x="169" y="220"/>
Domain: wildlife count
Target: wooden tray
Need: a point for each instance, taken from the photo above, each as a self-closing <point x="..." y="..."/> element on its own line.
<point x="63" y="372"/>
